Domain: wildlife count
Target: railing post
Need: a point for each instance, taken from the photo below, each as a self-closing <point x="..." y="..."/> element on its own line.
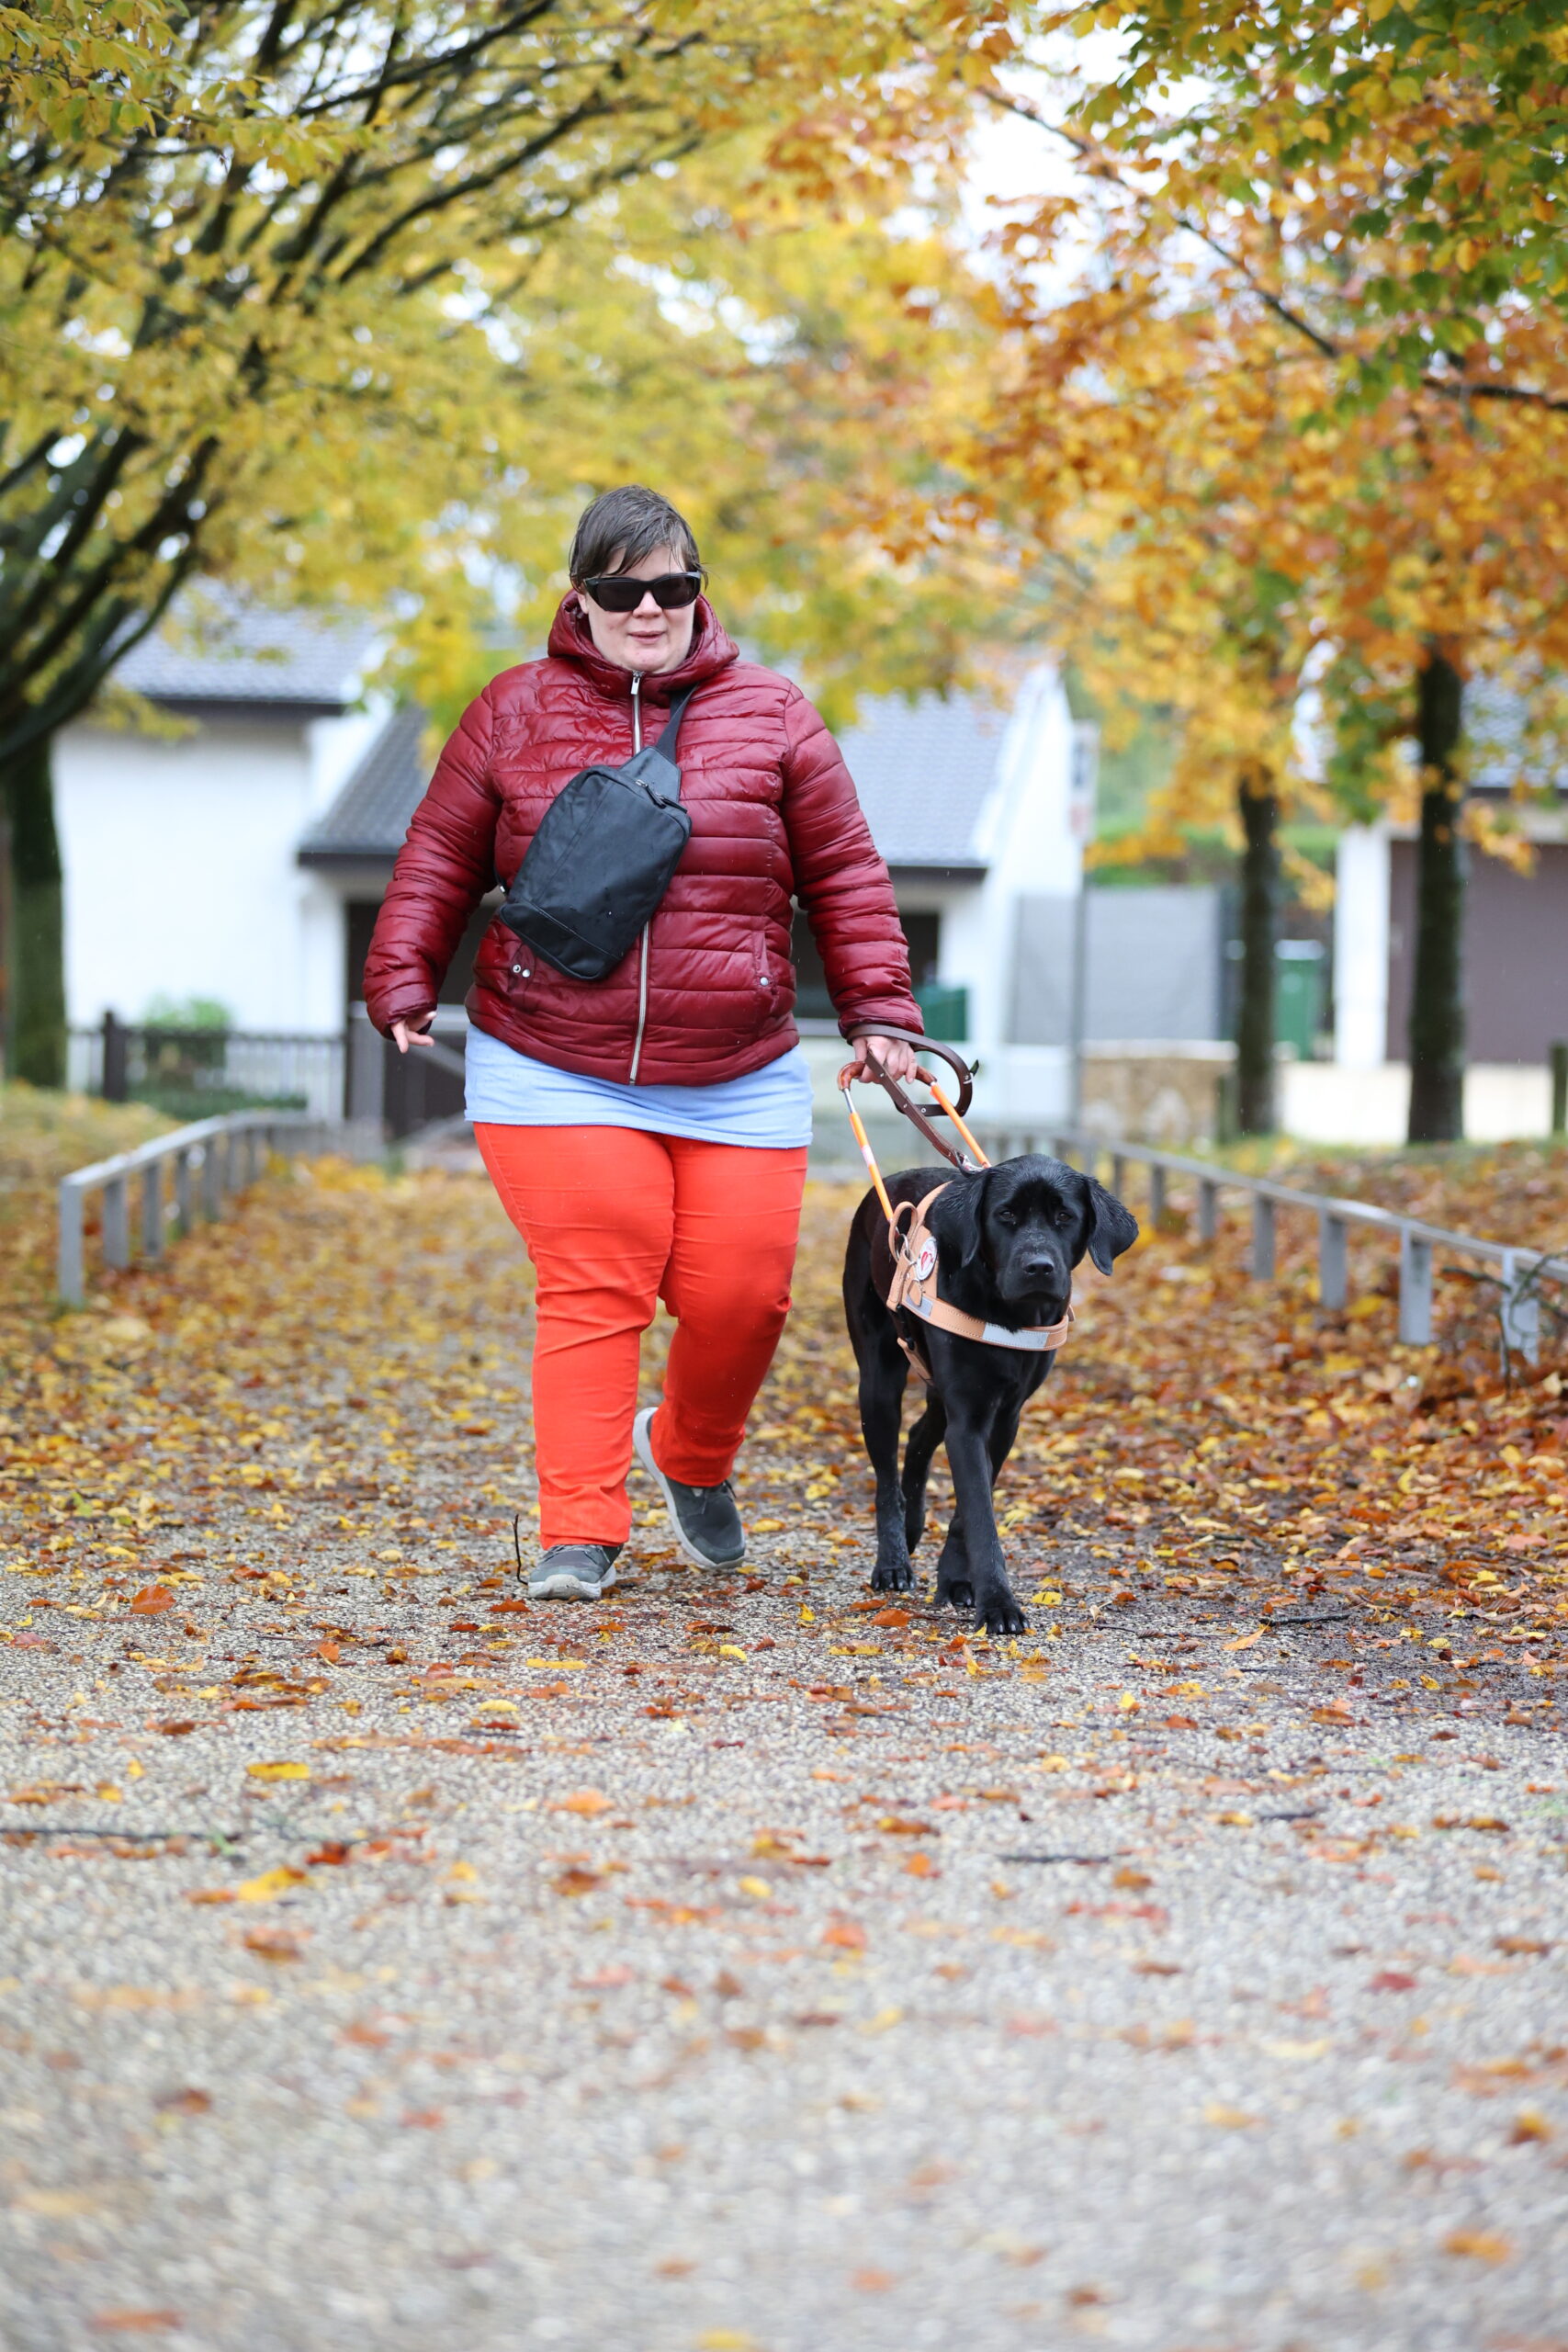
<point x="117" y="1224"/>
<point x="1207" y="1208"/>
<point x="184" y="1203"/>
<point x="115" y="1081"/>
<point x="1521" y="1309"/>
<point x="68" y="1272"/>
<point x="1557" y="1057"/>
<point x="1333" y="1261"/>
<point x="1262" y="1238"/>
<point x="1118" y="1174"/>
<point x="152" y="1208"/>
<point x="1414" y="1289"/>
<point x="213" y="1175"/>
<point x="1157" y="1193"/>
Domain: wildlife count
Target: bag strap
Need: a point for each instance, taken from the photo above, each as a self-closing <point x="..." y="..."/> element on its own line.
<point x="665" y="746"/>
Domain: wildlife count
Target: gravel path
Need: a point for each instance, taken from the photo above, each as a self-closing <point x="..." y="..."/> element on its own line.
<point x="384" y="1962"/>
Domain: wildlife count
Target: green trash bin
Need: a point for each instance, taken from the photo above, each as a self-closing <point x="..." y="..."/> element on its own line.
<point x="1298" y="994"/>
<point x="944" y="1011"/>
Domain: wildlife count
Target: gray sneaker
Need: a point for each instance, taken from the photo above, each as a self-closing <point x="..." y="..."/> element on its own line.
<point x="707" y="1523"/>
<point x="572" y="1572"/>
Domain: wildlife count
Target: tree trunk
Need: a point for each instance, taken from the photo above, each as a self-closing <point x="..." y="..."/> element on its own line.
<point x="1255" y="1063"/>
<point x="36" y="982"/>
<point x="1437" y="1001"/>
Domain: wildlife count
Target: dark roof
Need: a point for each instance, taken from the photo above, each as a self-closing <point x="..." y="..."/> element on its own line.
<point x="371" y="816"/>
<point x="1511" y="737"/>
<point x="923" y="771"/>
<point x="215" y="648"/>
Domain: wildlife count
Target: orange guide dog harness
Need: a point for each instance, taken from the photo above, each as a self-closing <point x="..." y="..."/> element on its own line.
<point x="913" y="1287"/>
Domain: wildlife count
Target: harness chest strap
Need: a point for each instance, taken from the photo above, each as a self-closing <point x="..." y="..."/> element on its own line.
<point x="913" y="1286"/>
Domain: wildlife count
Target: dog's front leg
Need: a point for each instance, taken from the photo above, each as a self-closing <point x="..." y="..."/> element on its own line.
<point x="969" y="1456"/>
<point x="883" y="1374"/>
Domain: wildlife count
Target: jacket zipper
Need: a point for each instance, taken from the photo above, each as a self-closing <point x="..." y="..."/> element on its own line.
<point x="642" y="945"/>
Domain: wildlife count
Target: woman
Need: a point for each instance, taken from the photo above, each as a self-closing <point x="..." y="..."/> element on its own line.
<point x="647" y="1133"/>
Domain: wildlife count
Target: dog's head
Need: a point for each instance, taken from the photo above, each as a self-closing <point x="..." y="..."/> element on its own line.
<point x="1017" y="1230"/>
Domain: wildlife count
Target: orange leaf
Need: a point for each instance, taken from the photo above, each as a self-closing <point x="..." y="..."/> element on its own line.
<point x="147" y="1603"/>
<point x="848" y="1935"/>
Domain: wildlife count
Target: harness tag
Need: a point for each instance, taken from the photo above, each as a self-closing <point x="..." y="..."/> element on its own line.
<point x="925" y="1264"/>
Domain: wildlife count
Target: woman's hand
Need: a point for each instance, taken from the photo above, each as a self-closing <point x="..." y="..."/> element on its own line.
<point x="897" y="1057"/>
<point x="415" y="1030"/>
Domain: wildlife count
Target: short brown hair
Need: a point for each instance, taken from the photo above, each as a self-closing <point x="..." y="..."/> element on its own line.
<point x="628" y="525"/>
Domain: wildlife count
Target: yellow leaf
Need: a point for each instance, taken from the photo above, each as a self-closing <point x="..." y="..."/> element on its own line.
<point x="1480" y="2245"/>
<point x="271" y="1884"/>
<point x="1245" y="1640"/>
<point x="1229" y="2118"/>
<point x="759" y="1887"/>
<point x="279" y="1771"/>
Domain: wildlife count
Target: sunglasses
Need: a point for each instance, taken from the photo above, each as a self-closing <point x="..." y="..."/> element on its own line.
<point x="616" y="592"/>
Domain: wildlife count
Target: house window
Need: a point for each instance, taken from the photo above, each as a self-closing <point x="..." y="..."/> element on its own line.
<point x="812" y="1001"/>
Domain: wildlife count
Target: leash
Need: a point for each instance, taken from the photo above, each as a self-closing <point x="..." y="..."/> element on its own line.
<point x="912" y="1248"/>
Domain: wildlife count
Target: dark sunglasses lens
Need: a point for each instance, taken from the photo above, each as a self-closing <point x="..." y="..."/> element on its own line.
<point x="677" y="590"/>
<point x="671" y="593"/>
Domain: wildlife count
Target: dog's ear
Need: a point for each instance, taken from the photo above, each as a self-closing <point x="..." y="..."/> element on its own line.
<point x="962" y="1211"/>
<point x="1112" y="1227"/>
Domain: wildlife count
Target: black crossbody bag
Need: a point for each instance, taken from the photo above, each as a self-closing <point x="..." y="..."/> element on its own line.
<point x="602" y="859"/>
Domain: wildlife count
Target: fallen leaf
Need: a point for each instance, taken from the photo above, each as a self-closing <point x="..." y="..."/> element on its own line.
<point x="846" y="1935"/>
<point x="284" y="1771"/>
<point x="151" y="1599"/>
<point x="271" y="1884"/>
<point x="277" y="1944"/>
<point x="1229" y="2118"/>
<point x="1479" y="2245"/>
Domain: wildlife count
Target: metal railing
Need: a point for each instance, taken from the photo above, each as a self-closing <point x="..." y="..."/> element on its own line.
<point x="1520" y="1271"/>
<point x="208" y="1161"/>
<point x="164" y="1063"/>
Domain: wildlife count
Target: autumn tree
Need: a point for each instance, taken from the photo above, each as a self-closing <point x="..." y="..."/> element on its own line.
<point x="1373" y="206"/>
<point x="248" y="244"/>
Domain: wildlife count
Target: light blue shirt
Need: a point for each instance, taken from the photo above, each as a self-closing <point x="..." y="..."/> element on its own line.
<point x="770" y="1108"/>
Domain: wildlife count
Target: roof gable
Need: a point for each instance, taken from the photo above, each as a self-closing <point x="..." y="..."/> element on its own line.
<point x="217" y="647"/>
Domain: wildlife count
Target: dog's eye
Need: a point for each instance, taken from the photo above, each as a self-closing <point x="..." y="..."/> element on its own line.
<point x="1007" y="1216"/>
<point x="1062" y="1216"/>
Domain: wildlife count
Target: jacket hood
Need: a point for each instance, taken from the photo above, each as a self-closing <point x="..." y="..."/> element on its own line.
<point x="712" y="649"/>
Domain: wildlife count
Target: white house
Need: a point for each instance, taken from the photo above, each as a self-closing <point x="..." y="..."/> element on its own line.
<point x="182" y="873"/>
<point x="1515" y="958"/>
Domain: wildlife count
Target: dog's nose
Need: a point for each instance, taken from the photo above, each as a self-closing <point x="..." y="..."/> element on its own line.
<point x="1041" y="1270"/>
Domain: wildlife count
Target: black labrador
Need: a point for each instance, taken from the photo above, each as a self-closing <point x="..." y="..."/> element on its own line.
<point x="1008" y="1239"/>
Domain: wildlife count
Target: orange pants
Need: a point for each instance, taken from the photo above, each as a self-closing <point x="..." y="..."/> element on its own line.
<point x="615" y="1220"/>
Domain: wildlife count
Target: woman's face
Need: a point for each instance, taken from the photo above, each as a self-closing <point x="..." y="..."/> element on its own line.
<point x="647" y="639"/>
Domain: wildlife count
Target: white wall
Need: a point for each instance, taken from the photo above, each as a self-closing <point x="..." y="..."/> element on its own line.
<point x="180" y="872"/>
<point x="1361" y="949"/>
<point x="1328" y="1102"/>
<point x="1023" y="832"/>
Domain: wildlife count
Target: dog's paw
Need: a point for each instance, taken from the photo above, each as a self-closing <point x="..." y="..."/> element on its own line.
<point x="999" y="1613"/>
<point x="896" y="1578"/>
<point x="959" y="1594"/>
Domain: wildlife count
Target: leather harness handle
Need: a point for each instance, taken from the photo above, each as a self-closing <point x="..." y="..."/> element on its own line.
<point x="955" y="1063"/>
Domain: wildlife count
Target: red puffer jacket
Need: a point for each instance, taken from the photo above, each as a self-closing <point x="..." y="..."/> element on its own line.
<point x="707" y="994"/>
